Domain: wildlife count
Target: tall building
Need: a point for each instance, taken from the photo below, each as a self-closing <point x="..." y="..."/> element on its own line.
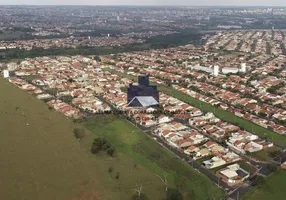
<point x="143" y="94"/>
<point x="6" y="73"/>
<point x="216" y="70"/>
<point x="243" y="67"/>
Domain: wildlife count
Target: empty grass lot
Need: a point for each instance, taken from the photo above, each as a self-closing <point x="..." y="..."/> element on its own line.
<point x="273" y="188"/>
<point x="264" y="155"/>
<point x="41" y="159"/>
<point x="144" y="150"/>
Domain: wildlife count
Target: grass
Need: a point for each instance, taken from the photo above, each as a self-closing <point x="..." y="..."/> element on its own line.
<point x="247" y="167"/>
<point x="264" y="154"/>
<point x="273" y="188"/>
<point x="144" y="150"/>
<point x="41" y="159"/>
<point x="31" y="77"/>
<point x="222" y="114"/>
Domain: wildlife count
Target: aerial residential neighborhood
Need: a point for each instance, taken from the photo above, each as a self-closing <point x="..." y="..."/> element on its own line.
<point x="143" y="102"/>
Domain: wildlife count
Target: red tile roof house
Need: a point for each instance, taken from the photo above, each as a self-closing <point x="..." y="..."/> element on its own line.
<point x="165" y="133"/>
<point x="209" y="129"/>
<point x="191" y="150"/>
<point x="210" y="144"/>
<point x="182" y="143"/>
<point x="198" y="122"/>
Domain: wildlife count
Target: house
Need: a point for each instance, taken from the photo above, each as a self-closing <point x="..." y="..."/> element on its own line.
<point x="210" y="144"/>
<point x="182" y="143"/>
<point x="253" y="147"/>
<point x="149" y="123"/>
<point x="163" y="119"/>
<point x="231" y="157"/>
<point x="191" y="149"/>
<point x="143" y="101"/>
<point x="202" y="153"/>
<point x="143" y="94"/>
<point x="214" y="162"/>
<point x="233" y="174"/>
<point x="197" y="122"/>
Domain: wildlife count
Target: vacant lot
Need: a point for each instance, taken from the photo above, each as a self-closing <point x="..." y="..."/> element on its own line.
<point x="41" y="159"/>
<point x="264" y="155"/>
<point x="130" y="140"/>
<point x="273" y="188"/>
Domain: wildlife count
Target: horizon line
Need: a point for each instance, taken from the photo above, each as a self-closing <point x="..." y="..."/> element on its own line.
<point x="143" y="5"/>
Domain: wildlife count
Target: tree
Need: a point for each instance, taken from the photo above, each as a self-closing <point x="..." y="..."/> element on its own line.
<point x="70" y="80"/>
<point x="261" y="114"/>
<point x="106" y="146"/>
<point x="142" y="197"/>
<point x="79" y="133"/>
<point x="97" y="145"/>
<point x="272" y="167"/>
<point x="95" y="149"/>
<point x="174" y="194"/>
<point x="110" y="151"/>
<point x="257" y="180"/>
<point x="99" y="142"/>
<point x="117" y="175"/>
<point x="164" y="181"/>
<point x="138" y="190"/>
<point x="275" y="154"/>
<point x="97" y="58"/>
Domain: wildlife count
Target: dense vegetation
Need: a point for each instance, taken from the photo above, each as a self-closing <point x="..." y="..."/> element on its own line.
<point x="182" y="38"/>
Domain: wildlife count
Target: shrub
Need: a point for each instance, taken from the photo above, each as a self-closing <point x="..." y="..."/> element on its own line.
<point x="106" y="146"/>
<point x="174" y="194"/>
<point x="117" y="175"/>
<point x="79" y="133"/>
<point x="110" y="151"/>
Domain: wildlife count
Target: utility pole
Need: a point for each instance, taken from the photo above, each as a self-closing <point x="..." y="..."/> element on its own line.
<point x="237" y="198"/>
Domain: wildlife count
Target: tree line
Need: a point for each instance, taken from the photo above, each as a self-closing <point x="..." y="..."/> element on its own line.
<point x="158" y="42"/>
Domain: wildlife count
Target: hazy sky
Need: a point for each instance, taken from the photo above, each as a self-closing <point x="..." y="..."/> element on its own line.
<point x="148" y="2"/>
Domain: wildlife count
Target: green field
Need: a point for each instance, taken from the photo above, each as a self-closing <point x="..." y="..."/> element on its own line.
<point x="273" y="188"/>
<point x="136" y="144"/>
<point x="42" y="160"/>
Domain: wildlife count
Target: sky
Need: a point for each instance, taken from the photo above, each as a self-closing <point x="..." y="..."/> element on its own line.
<point x="149" y="2"/>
